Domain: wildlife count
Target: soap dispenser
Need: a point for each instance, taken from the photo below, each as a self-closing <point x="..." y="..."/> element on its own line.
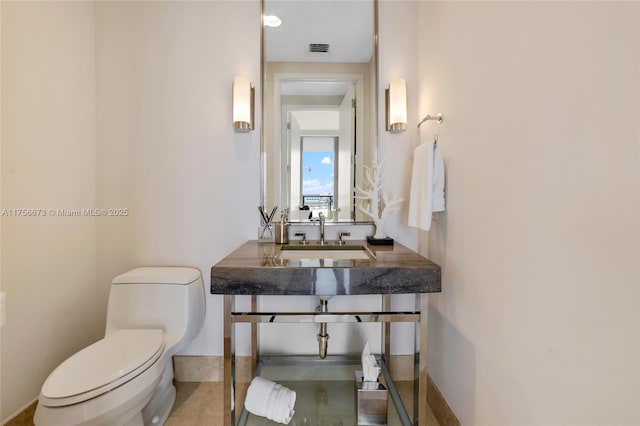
<point x="282" y="228"/>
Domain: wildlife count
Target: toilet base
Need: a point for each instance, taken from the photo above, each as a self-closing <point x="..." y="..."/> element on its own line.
<point x="159" y="407"/>
<point x="135" y="421"/>
<point x="161" y="414"/>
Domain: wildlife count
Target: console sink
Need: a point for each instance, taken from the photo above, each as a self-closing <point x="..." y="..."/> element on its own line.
<point x="258" y="268"/>
<point x="327" y="251"/>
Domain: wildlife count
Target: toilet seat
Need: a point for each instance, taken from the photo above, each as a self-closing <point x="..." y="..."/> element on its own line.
<point x="103" y="366"/>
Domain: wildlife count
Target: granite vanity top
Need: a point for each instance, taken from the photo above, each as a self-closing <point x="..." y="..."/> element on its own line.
<point x="256" y="268"/>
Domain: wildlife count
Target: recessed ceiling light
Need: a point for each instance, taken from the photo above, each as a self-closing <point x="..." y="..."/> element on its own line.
<point x="272" y="21"/>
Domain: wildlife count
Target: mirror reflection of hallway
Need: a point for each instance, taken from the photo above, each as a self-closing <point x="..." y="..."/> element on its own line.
<point x="318" y="147"/>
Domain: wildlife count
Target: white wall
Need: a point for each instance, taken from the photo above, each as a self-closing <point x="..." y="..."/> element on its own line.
<point x="166" y="146"/>
<point x="48" y="162"/>
<point x="538" y="320"/>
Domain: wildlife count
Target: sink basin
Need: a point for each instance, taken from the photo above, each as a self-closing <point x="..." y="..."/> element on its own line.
<point x="323" y="247"/>
<point x="325" y="254"/>
<point x="328" y="251"/>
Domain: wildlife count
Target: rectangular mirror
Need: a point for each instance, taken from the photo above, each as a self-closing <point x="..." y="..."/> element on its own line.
<point x="319" y="63"/>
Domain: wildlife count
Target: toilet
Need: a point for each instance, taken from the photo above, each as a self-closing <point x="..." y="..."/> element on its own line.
<point x="126" y="378"/>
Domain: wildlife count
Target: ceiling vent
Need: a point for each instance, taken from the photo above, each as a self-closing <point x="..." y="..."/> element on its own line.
<point x="318" y="48"/>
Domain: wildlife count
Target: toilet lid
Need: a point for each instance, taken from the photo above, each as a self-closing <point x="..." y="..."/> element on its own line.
<point x="158" y="275"/>
<point x="106" y="364"/>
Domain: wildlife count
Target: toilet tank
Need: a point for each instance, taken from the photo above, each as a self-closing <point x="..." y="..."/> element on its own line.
<point x="168" y="298"/>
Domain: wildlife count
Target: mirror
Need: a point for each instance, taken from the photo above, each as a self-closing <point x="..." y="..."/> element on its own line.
<point x="319" y="105"/>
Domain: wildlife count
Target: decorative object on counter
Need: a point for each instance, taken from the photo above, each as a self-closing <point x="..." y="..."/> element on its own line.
<point x="386" y="241"/>
<point x="265" y="231"/>
<point x="377" y="208"/>
<point x="282" y="228"/>
<point x="271" y="400"/>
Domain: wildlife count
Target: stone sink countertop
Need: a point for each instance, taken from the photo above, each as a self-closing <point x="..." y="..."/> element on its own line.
<point x="256" y="268"/>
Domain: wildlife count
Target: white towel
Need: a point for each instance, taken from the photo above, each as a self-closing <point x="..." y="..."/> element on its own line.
<point x="427" y="185"/>
<point x="271" y="400"/>
<point x="438" y="180"/>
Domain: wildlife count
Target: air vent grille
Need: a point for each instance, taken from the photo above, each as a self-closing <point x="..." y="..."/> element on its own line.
<point x="318" y="48"/>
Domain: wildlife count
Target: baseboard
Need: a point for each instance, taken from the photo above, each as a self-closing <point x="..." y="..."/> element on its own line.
<point x="197" y="368"/>
<point x="24" y="417"/>
<point x="441" y="410"/>
<point x="402" y="369"/>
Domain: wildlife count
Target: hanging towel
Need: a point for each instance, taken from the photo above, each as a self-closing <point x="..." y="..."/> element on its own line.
<point x="427" y="185"/>
<point x="271" y="400"/>
<point x="438" y="180"/>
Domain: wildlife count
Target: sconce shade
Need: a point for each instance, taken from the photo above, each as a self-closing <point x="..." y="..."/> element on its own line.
<point x="243" y="96"/>
<point x="396" y="106"/>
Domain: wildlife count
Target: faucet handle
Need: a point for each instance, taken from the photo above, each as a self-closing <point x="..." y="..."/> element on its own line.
<point x="304" y="237"/>
<point x="342" y="234"/>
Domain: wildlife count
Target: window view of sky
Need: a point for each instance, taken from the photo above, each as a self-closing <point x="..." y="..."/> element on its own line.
<point x="317" y="173"/>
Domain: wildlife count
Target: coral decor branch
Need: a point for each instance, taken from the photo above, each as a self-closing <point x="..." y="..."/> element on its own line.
<point x="376" y="207"/>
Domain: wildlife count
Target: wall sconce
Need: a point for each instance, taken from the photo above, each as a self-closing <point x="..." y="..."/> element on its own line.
<point x="396" y="106"/>
<point x="243" y="103"/>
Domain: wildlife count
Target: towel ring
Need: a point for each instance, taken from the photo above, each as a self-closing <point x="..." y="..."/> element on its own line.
<point x="439" y="117"/>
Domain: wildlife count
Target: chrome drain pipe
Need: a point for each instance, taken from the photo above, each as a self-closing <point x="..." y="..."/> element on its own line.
<point x="323" y="336"/>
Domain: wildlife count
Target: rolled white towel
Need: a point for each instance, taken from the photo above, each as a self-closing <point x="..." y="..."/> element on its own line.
<point x="271" y="400"/>
<point x="258" y="396"/>
<point x="284" y="400"/>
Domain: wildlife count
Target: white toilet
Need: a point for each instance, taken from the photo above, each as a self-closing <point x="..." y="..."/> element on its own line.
<point x="127" y="377"/>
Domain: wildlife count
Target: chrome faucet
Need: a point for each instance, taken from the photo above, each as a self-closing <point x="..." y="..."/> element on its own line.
<point x="340" y="241"/>
<point x="321" y="216"/>
<point x="303" y="241"/>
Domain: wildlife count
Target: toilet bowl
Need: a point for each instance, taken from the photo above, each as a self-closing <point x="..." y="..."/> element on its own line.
<point x="127" y="377"/>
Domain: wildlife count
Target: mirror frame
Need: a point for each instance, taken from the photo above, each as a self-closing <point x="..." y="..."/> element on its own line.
<point x="376" y="131"/>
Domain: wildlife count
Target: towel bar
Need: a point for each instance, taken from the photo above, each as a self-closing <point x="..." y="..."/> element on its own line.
<point x="427" y="117"/>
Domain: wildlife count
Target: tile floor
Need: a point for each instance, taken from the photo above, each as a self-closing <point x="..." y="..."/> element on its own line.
<point x="197" y="404"/>
<point x="200" y="404"/>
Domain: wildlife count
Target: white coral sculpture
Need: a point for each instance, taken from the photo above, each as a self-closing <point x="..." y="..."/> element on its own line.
<point x="374" y="207"/>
